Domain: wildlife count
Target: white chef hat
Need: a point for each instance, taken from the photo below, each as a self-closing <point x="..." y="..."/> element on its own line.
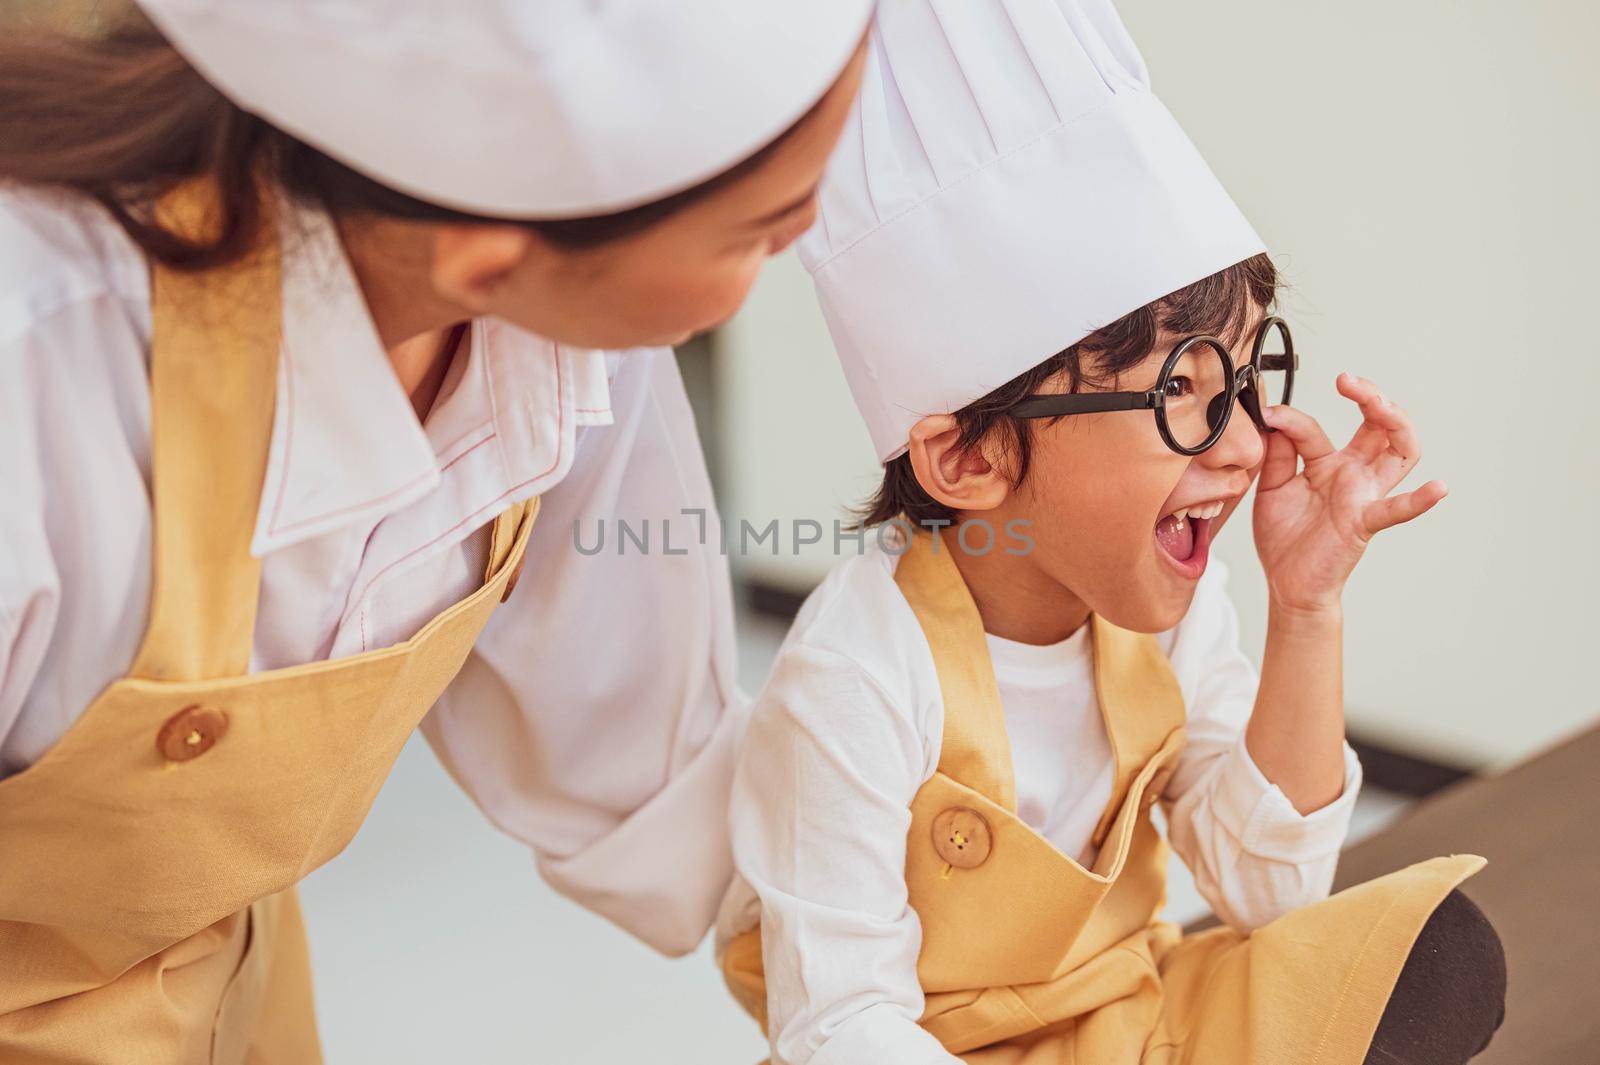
<point x="523" y="108"/>
<point x="1007" y="185"/>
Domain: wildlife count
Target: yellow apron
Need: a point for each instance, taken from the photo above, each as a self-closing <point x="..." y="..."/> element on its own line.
<point x="147" y="906"/>
<point x="1030" y="959"/>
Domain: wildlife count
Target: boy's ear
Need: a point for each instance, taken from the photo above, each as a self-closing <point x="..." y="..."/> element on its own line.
<point x="960" y="478"/>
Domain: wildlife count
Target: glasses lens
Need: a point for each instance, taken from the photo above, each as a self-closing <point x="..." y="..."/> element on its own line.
<point x="1195" y="394"/>
<point x="1273" y="369"/>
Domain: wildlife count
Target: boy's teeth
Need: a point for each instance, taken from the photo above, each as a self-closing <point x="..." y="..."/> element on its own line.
<point x="1199" y="510"/>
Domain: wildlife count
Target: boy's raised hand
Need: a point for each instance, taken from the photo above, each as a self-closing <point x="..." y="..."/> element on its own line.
<point x="1312" y="524"/>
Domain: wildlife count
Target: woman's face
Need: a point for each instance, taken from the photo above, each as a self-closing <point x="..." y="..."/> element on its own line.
<point x="1102" y="492"/>
<point x="692" y="270"/>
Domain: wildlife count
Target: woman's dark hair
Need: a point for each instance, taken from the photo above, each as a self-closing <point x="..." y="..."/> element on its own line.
<point x="122" y="118"/>
<point x="1220" y="304"/>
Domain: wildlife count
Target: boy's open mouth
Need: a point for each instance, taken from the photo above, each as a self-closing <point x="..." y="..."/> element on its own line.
<point x="1185" y="534"/>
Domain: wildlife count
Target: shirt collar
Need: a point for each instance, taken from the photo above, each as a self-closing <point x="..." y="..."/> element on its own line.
<point x="347" y="447"/>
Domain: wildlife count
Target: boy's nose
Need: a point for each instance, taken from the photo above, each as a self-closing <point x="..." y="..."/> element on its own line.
<point x="1240" y="446"/>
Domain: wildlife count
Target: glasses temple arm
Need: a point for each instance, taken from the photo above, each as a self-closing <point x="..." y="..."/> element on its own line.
<point x="1084" y="403"/>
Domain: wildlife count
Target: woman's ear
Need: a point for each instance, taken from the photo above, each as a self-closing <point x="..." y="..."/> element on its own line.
<point x="960" y="478"/>
<point x="471" y="262"/>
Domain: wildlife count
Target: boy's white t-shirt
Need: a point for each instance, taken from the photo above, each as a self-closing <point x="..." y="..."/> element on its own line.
<point x="850" y="726"/>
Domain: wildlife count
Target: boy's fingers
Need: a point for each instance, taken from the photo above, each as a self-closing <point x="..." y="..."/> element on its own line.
<point x="1369" y="441"/>
<point x="1352" y="387"/>
<point x="1366" y="395"/>
<point x="1371" y="437"/>
<point x="1386" y="438"/>
<point x="1403" y="453"/>
<point x="1301" y="429"/>
<point x="1280" y="464"/>
<point x="1383" y="514"/>
<point x="1393" y="465"/>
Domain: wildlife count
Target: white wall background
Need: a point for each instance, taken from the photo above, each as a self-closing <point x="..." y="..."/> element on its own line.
<point x="1425" y="175"/>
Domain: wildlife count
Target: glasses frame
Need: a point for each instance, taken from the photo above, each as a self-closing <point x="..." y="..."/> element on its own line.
<point x="1241" y="388"/>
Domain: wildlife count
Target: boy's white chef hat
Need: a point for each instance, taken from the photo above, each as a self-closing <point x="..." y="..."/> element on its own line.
<point x="1007" y="185"/>
<point x="523" y="108"/>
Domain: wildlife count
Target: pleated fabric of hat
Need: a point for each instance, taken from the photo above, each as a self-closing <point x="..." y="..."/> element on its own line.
<point x="1007" y="185"/>
<point x="523" y="108"/>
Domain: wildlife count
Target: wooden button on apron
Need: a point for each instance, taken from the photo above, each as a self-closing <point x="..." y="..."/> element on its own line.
<point x="191" y="732"/>
<point x="961" y="837"/>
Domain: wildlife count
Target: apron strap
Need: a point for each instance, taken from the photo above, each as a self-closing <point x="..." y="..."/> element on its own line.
<point x="503" y="535"/>
<point x="975" y="750"/>
<point x="1140" y="701"/>
<point x="213" y="381"/>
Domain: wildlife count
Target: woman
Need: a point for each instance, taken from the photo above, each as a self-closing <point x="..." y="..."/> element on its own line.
<point x="310" y="305"/>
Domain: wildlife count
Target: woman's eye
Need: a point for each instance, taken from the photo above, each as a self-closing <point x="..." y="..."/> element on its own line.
<point x="1178" y="387"/>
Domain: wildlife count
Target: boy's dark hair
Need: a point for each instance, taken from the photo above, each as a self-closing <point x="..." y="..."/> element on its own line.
<point x="1220" y="304"/>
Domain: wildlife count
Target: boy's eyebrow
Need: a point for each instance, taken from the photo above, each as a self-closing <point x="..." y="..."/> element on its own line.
<point x="787" y="209"/>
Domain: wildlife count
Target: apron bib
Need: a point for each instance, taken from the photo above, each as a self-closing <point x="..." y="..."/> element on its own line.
<point x="147" y="907"/>
<point x="1028" y="958"/>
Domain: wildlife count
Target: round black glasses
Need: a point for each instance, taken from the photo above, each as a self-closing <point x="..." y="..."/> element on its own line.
<point x="1194" y="396"/>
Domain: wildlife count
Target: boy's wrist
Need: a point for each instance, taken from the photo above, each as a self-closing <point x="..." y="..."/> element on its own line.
<point x="1312" y="618"/>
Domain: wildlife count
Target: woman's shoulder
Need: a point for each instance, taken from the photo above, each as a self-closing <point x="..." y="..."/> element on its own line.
<point x="74" y="421"/>
<point x="60" y="250"/>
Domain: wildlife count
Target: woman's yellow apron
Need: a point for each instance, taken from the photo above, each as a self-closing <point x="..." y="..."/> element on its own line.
<point x="148" y="861"/>
<point x="1030" y="959"/>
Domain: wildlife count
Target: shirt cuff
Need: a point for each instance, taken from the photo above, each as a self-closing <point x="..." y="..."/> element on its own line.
<point x="1260" y="816"/>
<point x="882" y="1033"/>
<point x="663" y="871"/>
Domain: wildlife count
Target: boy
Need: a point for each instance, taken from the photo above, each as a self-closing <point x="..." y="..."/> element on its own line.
<point x="1054" y="320"/>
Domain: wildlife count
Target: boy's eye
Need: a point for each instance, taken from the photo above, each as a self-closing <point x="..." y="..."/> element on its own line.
<point x="1178" y="387"/>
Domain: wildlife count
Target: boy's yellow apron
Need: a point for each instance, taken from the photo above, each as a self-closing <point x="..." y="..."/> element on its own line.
<point x="148" y="861"/>
<point x="1030" y="959"/>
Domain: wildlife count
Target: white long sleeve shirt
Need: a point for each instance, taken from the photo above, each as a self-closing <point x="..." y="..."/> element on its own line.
<point x="850" y="727"/>
<point x="595" y="719"/>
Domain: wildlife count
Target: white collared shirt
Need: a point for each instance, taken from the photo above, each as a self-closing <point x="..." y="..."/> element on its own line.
<point x="850" y="726"/>
<point x="596" y="716"/>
